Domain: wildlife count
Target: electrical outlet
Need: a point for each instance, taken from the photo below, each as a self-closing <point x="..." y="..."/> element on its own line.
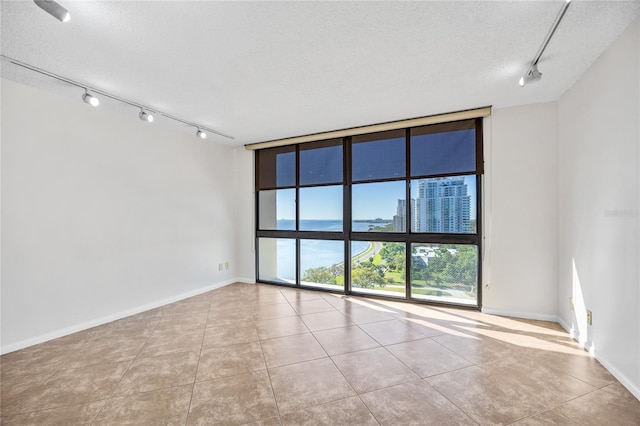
<point x="571" y="307"/>
<point x="589" y="317"/>
<point x="226" y="265"/>
<point x="219" y="266"/>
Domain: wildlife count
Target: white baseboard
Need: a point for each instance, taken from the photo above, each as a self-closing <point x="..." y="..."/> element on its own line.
<point x="568" y="328"/>
<point x="103" y="320"/>
<point x="634" y="388"/>
<point x="246" y="280"/>
<point x="525" y="315"/>
<point x="624" y="380"/>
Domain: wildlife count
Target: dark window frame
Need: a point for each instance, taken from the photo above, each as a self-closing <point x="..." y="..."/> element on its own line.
<point x="347" y="235"/>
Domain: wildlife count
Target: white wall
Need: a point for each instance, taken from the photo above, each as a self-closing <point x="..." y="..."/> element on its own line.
<point x="104" y="215"/>
<point x="521" y="212"/>
<point x="599" y="140"/>
<point x="521" y="205"/>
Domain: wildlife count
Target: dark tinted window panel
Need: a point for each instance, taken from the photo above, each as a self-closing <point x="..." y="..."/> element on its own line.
<point x="445" y="273"/>
<point x="322" y="264"/>
<point x="382" y="274"/>
<point x="379" y="156"/>
<point x="448" y="150"/>
<point x="321" y="208"/>
<point x="321" y="162"/>
<point x="277" y="260"/>
<point x="276" y="167"/>
<point x="379" y="207"/>
<point x="444" y="205"/>
<point x="277" y="209"/>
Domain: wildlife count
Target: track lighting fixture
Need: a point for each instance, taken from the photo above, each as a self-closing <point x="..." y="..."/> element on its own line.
<point x="145" y="116"/>
<point x="532" y="75"/>
<point x="90" y="99"/>
<point x="53" y="9"/>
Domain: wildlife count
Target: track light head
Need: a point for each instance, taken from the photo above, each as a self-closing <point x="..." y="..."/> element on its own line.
<point x="145" y="116"/>
<point x="201" y="134"/>
<point x="531" y="76"/>
<point x="90" y="99"/>
<point x="53" y="9"/>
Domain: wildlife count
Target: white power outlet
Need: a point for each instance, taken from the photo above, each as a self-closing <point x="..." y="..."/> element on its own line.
<point x="226" y="265"/>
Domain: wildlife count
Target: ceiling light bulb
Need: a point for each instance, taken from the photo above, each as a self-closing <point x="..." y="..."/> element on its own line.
<point x="145" y="116"/>
<point x="201" y="134"/>
<point x="53" y="9"/>
<point x="90" y="99"/>
<point x="531" y="76"/>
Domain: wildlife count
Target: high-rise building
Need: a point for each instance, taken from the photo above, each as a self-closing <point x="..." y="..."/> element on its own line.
<point x="400" y="218"/>
<point x="442" y="205"/>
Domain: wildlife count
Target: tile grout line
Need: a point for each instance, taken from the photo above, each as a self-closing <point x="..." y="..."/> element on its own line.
<point x="560" y="404"/>
<point x="162" y="317"/>
<point x="125" y="372"/>
<point x="297" y="315"/>
<point x="75" y="368"/>
<point x="417" y="375"/>
<point x="271" y="384"/>
<point x="195" y="377"/>
<point x="327" y="356"/>
<point x="452" y="403"/>
<point x="336" y="367"/>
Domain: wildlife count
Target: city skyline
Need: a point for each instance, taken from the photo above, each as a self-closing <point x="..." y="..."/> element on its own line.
<point x="441" y="205"/>
<point x="370" y="201"/>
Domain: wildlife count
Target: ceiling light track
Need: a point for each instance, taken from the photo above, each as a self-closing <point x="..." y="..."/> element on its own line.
<point x="54" y="9"/>
<point x="532" y="75"/>
<point x="92" y="100"/>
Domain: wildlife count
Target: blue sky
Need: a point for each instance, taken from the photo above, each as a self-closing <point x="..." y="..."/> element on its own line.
<point x="370" y="201"/>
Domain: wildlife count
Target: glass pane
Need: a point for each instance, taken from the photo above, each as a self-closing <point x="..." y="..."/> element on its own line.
<point x="443" y="153"/>
<point x="321" y="162"/>
<point x="378" y="268"/>
<point x="276" y="167"/>
<point x="277" y="261"/>
<point x="446" y="273"/>
<point x="321" y="208"/>
<point x="444" y="205"/>
<point x="277" y="209"/>
<point x="379" y="207"/>
<point x="378" y="159"/>
<point x="322" y="263"/>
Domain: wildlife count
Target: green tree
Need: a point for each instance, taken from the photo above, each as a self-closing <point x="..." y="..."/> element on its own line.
<point x="439" y="262"/>
<point x="393" y="255"/>
<point x="324" y="275"/>
<point x="320" y="275"/>
<point x="467" y="265"/>
<point x="367" y="275"/>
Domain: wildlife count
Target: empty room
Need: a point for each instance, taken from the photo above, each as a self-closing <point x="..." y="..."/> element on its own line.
<point x="320" y="212"/>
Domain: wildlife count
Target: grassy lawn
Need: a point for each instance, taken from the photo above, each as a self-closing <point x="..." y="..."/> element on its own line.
<point x="397" y="277"/>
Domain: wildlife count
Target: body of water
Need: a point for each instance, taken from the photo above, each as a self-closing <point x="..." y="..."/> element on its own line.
<point x="315" y="253"/>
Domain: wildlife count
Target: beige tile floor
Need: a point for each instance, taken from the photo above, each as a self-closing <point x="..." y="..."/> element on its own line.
<point x="266" y="355"/>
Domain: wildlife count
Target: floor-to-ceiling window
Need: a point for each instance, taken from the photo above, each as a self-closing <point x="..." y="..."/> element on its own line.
<point x="393" y="214"/>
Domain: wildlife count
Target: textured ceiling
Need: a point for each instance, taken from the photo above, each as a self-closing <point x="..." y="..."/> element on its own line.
<point x="268" y="70"/>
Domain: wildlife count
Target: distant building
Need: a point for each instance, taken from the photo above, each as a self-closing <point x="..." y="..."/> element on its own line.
<point x="442" y="206"/>
<point x="400" y="218"/>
